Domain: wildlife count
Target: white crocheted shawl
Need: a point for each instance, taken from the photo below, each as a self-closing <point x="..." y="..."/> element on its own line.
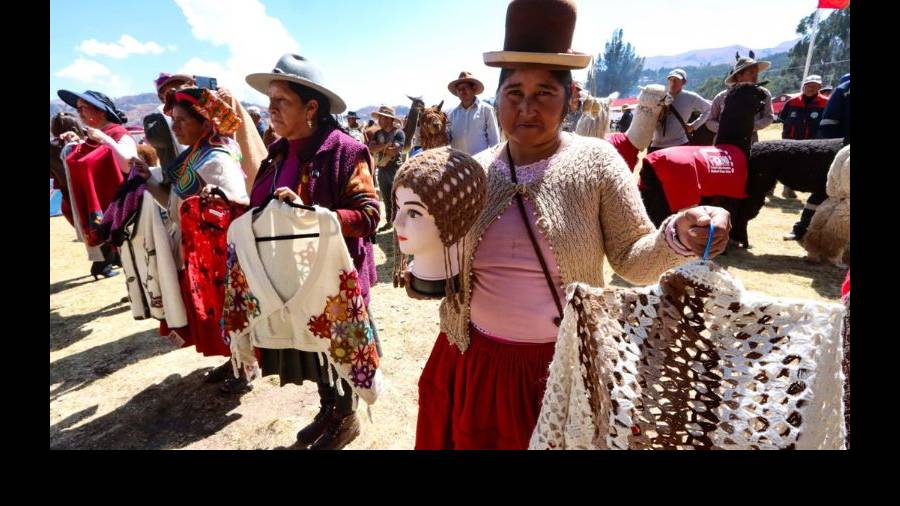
<point x="693" y="362"/>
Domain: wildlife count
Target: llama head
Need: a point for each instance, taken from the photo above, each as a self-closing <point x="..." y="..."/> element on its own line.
<point x="743" y="102"/>
<point x="433" y="120"/>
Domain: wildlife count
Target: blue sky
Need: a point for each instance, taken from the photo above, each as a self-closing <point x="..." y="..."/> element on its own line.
<point x="370" y="51"/>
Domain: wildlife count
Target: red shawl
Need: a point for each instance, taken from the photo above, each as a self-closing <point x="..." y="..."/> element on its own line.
<point x="95" y="176"/>
<point x="688" y="173"/>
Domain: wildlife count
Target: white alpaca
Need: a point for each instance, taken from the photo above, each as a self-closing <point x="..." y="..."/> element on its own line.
<point x="651" y="100"/>
<point x="829" y="231"/>
<point x="594" y="121"/>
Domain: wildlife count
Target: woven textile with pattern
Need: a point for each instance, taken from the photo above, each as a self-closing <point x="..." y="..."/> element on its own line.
<point x="694" y="362"/>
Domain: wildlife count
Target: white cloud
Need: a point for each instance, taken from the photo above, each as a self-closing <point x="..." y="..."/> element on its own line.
<point x="90" y="72"/>
<point x="254" y="40"/>
<point x="172" y="47"/>
<point x="127" y="45"/>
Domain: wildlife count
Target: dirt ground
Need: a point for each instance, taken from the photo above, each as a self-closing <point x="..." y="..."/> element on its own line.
<point x="114" y="383"/>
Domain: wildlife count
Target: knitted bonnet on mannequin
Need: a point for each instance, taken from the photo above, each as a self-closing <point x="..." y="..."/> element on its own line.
<point x="437" y="197"/>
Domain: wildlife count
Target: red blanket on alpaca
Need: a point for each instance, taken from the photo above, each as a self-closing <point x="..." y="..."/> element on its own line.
<point x="625" y="148"/>
<point x="688" y="173"/>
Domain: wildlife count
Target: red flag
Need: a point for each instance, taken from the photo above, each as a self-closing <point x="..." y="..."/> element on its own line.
<point x="833" y="4"/>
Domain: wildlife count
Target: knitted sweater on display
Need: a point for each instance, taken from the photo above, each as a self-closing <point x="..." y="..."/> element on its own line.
<point x="695" y="362"/>
<point x="587" y="206"/>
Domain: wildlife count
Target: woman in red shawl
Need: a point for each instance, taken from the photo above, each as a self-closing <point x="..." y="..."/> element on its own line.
<point x="96" y="165"/>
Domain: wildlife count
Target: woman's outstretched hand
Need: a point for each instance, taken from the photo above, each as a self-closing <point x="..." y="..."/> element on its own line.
<point x="693" y="229"/>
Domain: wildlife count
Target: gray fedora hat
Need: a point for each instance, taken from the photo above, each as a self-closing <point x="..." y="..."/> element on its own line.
<point x="297" y="69"/>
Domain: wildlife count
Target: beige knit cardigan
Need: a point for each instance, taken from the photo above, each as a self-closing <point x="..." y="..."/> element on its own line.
<point x="588" y="207"/>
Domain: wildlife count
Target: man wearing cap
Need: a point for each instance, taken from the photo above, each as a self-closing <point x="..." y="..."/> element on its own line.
<point x="625" y="120"/>
<point x="158" y="126"/>
<point x="473" y="124"/>
<point x="801" y="115"/>
<point x="574" y="107"/>
<point x="674" y="130"/>
<point x="354" y="128"/>
<point x="386" y="145"/>
<point x="745" y="70"/>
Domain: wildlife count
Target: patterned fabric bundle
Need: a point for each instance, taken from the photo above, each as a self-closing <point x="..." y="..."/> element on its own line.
<point x="211" y="107"/>
<point x="694" y="362"/>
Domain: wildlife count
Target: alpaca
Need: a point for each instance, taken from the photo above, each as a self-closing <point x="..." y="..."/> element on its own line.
<point x="684" y="176"/>
<point x="433" y="127"/>
<point x="651" y="101"/>
<point x="594" y="121"/>
<point x="801" y="165"/>
<point x="829" y="231"/>
<point x="411" y="122"/>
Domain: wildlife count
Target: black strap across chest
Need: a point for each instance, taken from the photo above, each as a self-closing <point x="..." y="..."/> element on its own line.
<point x="534" y="241"/>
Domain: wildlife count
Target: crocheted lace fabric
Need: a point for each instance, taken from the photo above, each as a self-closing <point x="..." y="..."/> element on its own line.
<point x="694" y="362"/>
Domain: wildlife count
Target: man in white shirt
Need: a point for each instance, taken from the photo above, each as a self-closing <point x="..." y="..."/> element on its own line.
<point x="473" y="124"/>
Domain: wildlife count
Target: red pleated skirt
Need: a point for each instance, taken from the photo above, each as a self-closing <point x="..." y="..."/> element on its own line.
<point x="488" y="398"/>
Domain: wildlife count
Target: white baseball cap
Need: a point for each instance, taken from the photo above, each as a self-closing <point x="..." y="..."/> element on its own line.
<point x="679" y="73"/>
<point x="813" y="78"/>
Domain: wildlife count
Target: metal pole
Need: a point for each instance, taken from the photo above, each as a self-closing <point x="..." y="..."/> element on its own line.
<point x="812" y="43"/>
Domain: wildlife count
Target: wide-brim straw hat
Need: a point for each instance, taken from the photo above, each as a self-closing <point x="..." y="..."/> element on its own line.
<point x="539" y="35"/>
<point x="466" y="77"/>
<point x="297" y="69"/>
<point x="743" y="63"/>
<point x="387" y="112"/>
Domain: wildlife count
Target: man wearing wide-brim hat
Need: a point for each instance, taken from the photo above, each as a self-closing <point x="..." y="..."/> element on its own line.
<point x="354" y="128"/>
<point x="473" y="124"/>
<point x="745" y="70"/>
<point x="625" y="120"/>
<point x="386" y="145"/>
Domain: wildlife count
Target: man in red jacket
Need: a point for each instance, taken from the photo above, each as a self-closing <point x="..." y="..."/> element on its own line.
<point x="801" y="115"/>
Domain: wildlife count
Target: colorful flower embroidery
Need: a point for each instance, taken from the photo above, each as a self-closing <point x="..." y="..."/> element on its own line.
<point x="320" y="326"/>
<point x="336" y="308"/>
<point x="350" y="284"/>
<point x="356" y="310"/>
<point x="240" y="304"/>
<point x="345" y="322"/>
<point x="362" y="376"/>
<point x="341" y="351"/>
<point x="358" y="333"/>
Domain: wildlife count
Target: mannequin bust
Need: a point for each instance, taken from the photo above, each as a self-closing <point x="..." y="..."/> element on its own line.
<point x="437" y="196"/>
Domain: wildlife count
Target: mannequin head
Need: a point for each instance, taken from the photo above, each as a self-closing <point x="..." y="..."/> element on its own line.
<point x="437" y="197"/>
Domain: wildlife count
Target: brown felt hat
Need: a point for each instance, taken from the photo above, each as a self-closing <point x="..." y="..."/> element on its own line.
<point x="466" y="77"/>
<point x="539" y="35"/>
<point x="742" y="63"/>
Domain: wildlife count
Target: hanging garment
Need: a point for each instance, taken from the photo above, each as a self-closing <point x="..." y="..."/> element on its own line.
<point x="300" y="293"/>
<point x="695" y="362"/>
<point x="94" y="177"/>
<point x="148" y="260"/>
<point x="93" y="252"/>
<point x="204" y="226"/>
